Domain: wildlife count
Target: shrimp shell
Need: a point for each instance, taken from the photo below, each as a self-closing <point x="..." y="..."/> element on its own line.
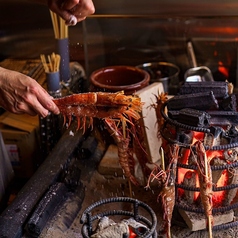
<point x="205" y="180"/>
<point x="167" y="179"/>
<point x="125" y="157"/>
<point x="99" y="105"/>
<point x="100" y="99"/>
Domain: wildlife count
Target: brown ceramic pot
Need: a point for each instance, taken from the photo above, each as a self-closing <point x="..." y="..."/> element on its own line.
<point x="114" y="79"/>
<point x="117" y="78"/>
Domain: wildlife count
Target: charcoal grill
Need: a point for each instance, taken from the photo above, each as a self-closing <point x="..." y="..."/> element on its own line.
<point x="87" y="218"/>
<point x="181" y="125"/>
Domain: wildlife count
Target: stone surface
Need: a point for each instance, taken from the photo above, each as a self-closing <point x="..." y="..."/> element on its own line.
<point x="197" y="222"/>
<point x="109" y="165"/>
<point x="150" y="124"/>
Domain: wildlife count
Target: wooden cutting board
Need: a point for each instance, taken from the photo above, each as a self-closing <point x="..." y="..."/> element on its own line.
<point x="147" y="96"/>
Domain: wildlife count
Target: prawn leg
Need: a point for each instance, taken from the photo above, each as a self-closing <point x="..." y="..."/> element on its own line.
<point x="122" y="142"/>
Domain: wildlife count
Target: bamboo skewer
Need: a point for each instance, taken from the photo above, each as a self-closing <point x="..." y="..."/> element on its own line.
<point x="207" y="175"/>
<point x="162" y="159"/>
<point x="59" y="26"/>
<point x="50" y="64"/>
<point x="62" y="28"/>
<point x="55" y="24"/>
<point x="43" y="60"/>
<point x="53" y="62"/>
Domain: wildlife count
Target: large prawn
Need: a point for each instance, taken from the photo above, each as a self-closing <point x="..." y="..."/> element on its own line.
<point x="160" y="101"/>
<point x="205" y="181"/>
<point x="166" y="178"/>
<point x="117" y="111"/>
<point x="125" y="154"/>
<point x="99" y="105"/>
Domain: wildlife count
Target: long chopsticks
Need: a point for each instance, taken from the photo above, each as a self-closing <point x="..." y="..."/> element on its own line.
<point x="53" y="63"/>
<point x="59" y="26"/>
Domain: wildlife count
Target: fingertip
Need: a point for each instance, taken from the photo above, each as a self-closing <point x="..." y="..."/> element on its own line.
<point x="72" y="21"/>
<point x="44" y="114"/>
<point x="55" y="110"/>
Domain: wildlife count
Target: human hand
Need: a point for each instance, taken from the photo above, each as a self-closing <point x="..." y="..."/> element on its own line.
<point x="22" y="94"/>
<point x="72" y="11"/>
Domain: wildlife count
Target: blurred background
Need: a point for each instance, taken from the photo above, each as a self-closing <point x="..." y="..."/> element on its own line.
<point x="130" y="33"/>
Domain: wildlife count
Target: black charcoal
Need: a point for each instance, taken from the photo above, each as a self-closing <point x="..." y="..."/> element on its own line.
<point x="199" y="101"/>
<point x="45" y="209"/>
<point x="193" y="117"/>
<point x="219" y="89"/>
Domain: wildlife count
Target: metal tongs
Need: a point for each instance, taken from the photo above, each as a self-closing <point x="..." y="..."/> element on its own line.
<point x="197" y="73"/>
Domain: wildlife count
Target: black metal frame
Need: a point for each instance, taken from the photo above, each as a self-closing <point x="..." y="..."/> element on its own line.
<point x="87" y="218"/>
<point x="169" y="121"/>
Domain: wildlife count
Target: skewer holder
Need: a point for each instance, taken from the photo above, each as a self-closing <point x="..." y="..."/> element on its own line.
<point x="62" y="47"/>
<point x="53" y="81"/>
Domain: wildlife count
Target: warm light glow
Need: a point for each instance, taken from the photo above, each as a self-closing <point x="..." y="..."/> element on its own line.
<point x="211" y="154"/>
<point x="184" y="173"/>
<point x="218" y="30"/>
<point x="218" y="197"/>
<point x="198" y="136"/>
<point x="222" y="69"/>
<point x="181" y="174"/>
